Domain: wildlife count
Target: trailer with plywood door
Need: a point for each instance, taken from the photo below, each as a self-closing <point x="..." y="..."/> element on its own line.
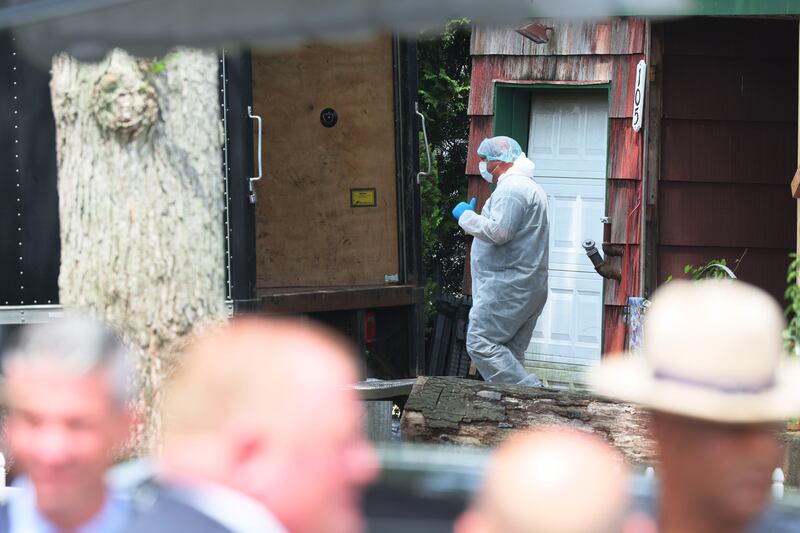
<point x="322" y="215"/>
<point x="328" y="224"/>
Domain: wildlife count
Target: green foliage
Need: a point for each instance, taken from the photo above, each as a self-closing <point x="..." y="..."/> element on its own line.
<point x="444" y="77"/>
<point x="160" y="65"/>
<point x="705" y="271"/>
<point x="792" y="334"/>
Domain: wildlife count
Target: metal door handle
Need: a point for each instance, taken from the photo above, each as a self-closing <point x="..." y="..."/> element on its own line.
<point x="427" y="146"/>
<point x="260" y="170"/>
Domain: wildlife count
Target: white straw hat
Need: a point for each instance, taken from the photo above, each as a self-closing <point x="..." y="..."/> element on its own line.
<point x="711" y="350"/>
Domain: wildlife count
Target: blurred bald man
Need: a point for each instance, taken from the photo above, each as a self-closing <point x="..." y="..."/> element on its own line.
<point x="551" y="481"/>
<point x="263" y="435"/>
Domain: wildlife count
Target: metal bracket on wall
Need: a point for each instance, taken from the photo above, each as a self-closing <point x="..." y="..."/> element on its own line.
<point x="427" y="146"/>
<point x="29" y="314"/>
<point x="260" y="170"/>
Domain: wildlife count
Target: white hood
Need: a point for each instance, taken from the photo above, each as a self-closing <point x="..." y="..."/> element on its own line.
<point x="521" y="167"/>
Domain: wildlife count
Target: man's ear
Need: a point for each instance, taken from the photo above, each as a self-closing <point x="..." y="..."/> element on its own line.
<point x="247" y="445"/>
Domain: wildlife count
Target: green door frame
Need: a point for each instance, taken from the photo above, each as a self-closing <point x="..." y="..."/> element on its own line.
<point x="512" y="105"/>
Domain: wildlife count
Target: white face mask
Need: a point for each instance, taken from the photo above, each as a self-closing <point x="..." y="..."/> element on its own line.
<point x="485" y="174"/>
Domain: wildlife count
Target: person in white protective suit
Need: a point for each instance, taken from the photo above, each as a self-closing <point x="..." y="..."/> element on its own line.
<point x="509" y="263"/>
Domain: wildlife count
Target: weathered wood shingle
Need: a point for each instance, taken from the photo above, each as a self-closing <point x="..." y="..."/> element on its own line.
<point x="618" y="36"/>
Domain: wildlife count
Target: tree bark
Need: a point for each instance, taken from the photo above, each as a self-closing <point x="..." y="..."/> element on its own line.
<point x="140" y="199"/>
<point x="468" y="412"/>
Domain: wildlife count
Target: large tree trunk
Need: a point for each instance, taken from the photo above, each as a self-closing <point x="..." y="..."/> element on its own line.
<point x="141" y="196"/>
<point x="474" y="413"/>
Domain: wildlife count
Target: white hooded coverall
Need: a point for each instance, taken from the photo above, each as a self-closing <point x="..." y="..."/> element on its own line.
<point x="509" y="263"/>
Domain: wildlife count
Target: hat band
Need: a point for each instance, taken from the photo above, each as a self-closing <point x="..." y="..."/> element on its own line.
<point x="719" y="387"/>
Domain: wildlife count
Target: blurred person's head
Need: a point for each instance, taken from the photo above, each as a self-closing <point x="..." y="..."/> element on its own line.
<point x="713" y="375"/>
<point x="263" y="407"/>
<point x="69" y="384"/>
<point x="552" y="480"/>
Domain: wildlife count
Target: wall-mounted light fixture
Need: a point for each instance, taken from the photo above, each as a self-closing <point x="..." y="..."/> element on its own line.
<point x="536" y="32"/>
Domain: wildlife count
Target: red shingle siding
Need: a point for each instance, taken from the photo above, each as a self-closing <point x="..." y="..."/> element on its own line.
<point x="488" y="69"/>
<point x="619" y="36"/>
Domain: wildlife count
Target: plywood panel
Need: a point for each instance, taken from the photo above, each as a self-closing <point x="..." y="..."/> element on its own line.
<point x="702" y="214"/>
<point x="714" y="151"/>
<point x="307" y="234"/>
<point x="593" y="37"/>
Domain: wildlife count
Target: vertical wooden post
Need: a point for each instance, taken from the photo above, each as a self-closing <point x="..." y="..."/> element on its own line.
<point x="652" y="157"/>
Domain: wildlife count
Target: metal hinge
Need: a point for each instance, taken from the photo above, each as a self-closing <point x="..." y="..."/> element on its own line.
<point x="30" y="314"/>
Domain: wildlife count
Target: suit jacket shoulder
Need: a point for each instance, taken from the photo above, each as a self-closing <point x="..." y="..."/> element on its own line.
<point x="5" y="525"/>
<point x="168" y="515"/>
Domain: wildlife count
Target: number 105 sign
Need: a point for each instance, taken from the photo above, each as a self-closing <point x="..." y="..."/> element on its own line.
<point x="638" y="96"/>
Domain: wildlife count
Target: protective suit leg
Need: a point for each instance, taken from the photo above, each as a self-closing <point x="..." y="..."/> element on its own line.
<point x="489" y="349"/>
<point x="519" y="344"/>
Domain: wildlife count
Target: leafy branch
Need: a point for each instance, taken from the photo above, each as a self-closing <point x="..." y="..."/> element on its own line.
<point x="791" y="335"/>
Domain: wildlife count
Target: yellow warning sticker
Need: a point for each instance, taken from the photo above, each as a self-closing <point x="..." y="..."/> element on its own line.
<point x="363" y="198"/>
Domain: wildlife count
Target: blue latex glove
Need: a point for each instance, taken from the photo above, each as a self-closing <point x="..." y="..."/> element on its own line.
<point x="463" y="206"/>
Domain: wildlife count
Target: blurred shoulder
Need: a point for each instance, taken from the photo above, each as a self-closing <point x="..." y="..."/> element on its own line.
<point x="4" y="521"/>
<point x="779" y="518"/>
<point x="168" y="515"/>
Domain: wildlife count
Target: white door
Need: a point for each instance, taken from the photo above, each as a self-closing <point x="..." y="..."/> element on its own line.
<point x="567" y="142"/>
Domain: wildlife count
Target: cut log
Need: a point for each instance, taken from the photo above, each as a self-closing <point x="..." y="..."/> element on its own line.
<point x="467" y="412"/>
